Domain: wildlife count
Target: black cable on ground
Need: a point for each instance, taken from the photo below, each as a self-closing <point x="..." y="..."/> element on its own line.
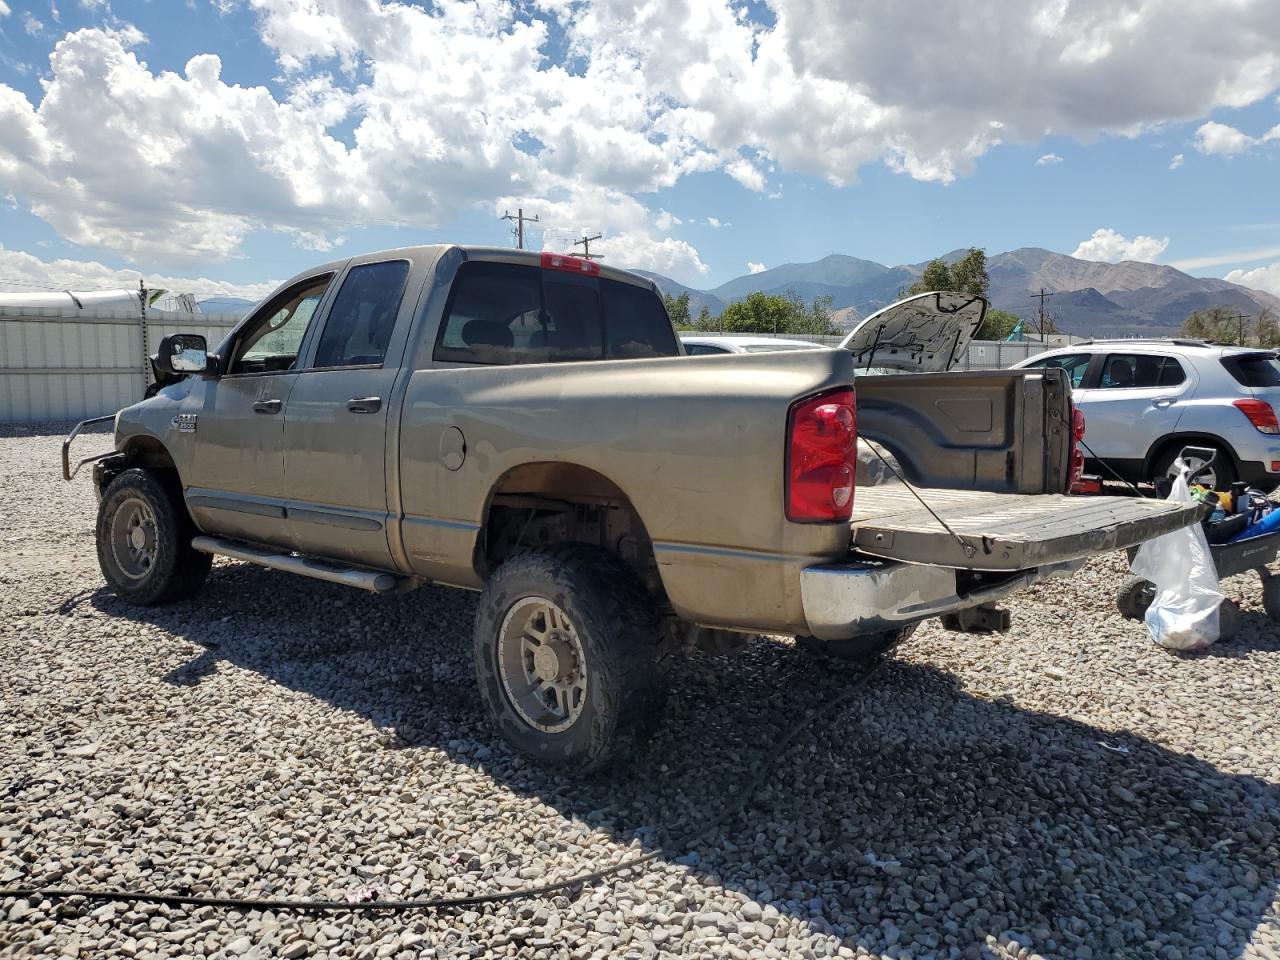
<point x="1135" y="490"/>
<point x="444" y="903"/>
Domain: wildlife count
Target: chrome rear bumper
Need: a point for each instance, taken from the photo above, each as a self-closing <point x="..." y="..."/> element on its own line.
<point x="851" y="599"/>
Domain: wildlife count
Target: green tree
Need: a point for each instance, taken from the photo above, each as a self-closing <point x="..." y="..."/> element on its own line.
<point x="678" y="310"/>
<point x="1217" y="325"/>
<point x="969" y="273"/>
<point x="705" y="322"/>
<point x="996" y="325"/>
<point x="936" y="276"/>
<point x="966" y="275"/>
<point x="770" y="313"/>
<point x="1268" y="331"/>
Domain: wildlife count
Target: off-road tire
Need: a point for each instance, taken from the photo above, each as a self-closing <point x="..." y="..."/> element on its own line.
<point x="857" y="649"/>
<point x="1134" y="597"/>
<point x="177" y="571"/>
<point x="618" y="625"/>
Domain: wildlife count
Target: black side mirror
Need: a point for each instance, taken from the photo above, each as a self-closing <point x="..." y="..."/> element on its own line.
<point x="181" y="354"/>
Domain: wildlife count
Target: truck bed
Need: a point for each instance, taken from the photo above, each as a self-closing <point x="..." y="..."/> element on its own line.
<point x="1003" y="531"/>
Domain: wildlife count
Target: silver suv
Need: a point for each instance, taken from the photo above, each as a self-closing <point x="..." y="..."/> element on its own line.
<point x="1143" y="400"/>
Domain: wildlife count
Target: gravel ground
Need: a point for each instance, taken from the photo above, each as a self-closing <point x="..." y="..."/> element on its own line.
<point x="1064" y="790"/>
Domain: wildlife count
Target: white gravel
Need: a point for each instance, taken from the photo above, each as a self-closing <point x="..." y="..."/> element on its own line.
<point x="1064" y="790"/>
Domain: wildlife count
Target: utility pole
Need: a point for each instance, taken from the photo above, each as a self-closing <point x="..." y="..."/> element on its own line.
<point x="1041" y="297"/>
<point x="520" y="220"/>
<point x="1241" y="318"/>
<point x="585" y="244"/>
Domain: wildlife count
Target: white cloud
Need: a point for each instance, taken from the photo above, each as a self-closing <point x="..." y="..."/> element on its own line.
<point x="1239" y="256"/>
<point x="1111" y="246"/>
<point x="753" y="267"/>
<point x="713" y="222"/>
<point x="1214" y="137"/>
<point x="1176" y="162"/>
<point x="151" y="163"/>
<point x="4" y="9"/>
<point x="1262" y="278"/>
<point x="33" y="26"/>
<point x="1047" y="159"/>
<point x="26" y="273"/>
<point x="665" y="220"/>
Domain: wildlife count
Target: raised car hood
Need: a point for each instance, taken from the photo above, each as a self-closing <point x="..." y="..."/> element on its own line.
<point x="926" y="333"/>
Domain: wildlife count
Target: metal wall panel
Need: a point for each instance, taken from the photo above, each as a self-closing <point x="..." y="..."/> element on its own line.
<point x="72" y="364"/>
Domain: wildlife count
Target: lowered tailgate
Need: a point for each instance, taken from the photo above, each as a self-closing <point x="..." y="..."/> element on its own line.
<point x="1005" y="531"/>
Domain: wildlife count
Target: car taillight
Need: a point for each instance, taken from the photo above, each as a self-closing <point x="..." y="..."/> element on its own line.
<point x="1075" y="482"/>
<point x="559" y="261"/>
<point x="1077" y="424"/>
<point x="1259" y="413"/>
<point x="822" y="451"/>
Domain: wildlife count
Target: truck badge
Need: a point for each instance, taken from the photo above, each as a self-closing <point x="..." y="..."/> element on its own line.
<point x="185" y="422"/>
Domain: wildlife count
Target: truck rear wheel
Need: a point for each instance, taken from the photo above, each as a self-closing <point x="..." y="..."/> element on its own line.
<point x="144" y="541"/>
<point x="566" y="643"/>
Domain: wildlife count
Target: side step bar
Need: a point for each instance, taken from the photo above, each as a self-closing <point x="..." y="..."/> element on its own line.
<point x="308" y="567"/>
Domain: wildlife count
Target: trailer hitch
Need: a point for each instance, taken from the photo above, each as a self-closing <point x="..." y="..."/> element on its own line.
<point x="984" y="618"/>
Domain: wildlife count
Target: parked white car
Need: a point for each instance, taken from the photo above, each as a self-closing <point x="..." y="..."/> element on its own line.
<point x="1144" y="400"/>
<point x="698" y="346"/>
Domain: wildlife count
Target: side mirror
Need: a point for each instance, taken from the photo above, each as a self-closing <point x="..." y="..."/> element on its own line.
<point x="181" y="354"/>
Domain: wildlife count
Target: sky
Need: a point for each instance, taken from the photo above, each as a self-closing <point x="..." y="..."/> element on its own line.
<point x="220" y="146"/>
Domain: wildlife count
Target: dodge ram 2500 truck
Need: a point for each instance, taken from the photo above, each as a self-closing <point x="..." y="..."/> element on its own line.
<point x="526" y="425"/>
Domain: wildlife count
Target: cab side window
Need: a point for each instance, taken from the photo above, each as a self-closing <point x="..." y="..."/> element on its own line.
<point x="1076" y="364"/>
<point x="363" y="315"/>
<point x="271" y="341"/>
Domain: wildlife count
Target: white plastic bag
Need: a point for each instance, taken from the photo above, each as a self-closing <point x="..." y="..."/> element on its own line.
<point x="1184" y="614"/>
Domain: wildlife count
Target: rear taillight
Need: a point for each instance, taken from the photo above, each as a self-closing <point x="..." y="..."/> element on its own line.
<point x="559" y="261"/>
<point x="1259" y="413"/>
<point x="1076" y="483"/>
<point x="822" y="451"/>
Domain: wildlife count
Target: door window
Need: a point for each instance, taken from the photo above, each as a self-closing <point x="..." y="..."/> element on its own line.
<point x="1140" y="371"/>
<point x="1074" y="363"/>
<point x="363" y="315"/>
<point x="702" y="349"/>
<point x="271" y="341"/>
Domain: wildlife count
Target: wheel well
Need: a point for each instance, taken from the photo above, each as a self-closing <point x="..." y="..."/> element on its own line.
<point x="145" y="452"/>
<point x="545" y="504"/>
<point x="1161" y="447"/>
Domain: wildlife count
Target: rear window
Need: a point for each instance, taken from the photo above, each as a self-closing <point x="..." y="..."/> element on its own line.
<point x="1254" y="369"/>
<point x="504" y="313"/>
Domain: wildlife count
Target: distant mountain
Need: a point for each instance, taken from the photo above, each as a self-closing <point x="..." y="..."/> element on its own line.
<point x="1088" y="297"/>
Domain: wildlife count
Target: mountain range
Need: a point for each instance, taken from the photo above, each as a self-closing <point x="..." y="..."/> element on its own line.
<point x="1088" y="298"/>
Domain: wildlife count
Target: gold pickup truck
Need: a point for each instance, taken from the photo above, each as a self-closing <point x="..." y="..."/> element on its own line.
<point x="527" y="425"/>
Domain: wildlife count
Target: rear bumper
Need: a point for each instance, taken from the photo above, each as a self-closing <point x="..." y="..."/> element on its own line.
<point x="1257" y="474"/>
<point x="851" y="599"/>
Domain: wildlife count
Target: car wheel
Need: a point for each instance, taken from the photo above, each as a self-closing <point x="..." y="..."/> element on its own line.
<point x="1220" y="477"/>
<point x="566" y="643"/>
<point x="857" y="649"/>
<point x="1134" y="597"/>
<point x="144" y="541"/>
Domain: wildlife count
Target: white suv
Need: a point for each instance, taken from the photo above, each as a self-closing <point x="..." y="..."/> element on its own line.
<point x="1144" y="400"/>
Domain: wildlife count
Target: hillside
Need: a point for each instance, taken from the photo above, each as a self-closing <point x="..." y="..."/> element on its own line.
<point x="1089" y="297"/>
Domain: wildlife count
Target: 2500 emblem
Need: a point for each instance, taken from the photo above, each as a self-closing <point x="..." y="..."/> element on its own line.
<point x="185" y="422"/>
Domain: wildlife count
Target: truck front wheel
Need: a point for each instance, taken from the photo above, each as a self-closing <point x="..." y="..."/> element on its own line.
<point x="144" y="541"/>
<point x="566" y="643"/>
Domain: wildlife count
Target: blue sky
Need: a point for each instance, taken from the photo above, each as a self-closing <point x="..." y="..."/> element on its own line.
<point x="743" y="117"/>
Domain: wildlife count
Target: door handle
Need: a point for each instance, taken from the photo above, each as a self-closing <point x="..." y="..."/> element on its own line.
<point x="267" y="406"/>
<point x="1164" y="401"/>
<point x="364" y="404"/>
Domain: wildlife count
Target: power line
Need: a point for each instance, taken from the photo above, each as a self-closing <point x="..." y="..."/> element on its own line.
<point x="585" y="243"/>
<point x="520" y="220"/>
<point x="1041" y="296"/>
